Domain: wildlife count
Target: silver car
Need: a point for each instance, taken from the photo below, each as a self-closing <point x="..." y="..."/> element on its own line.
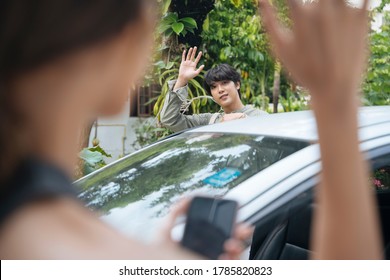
<point x="269" y="164"/>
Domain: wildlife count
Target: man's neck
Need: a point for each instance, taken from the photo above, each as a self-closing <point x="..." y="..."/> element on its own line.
<point x="233" y="107"/>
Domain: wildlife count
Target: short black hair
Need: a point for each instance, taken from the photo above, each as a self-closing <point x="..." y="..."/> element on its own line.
<point x="221" y="72"/>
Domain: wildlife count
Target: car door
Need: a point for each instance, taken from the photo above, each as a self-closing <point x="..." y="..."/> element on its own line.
<point x="284" y="233"/>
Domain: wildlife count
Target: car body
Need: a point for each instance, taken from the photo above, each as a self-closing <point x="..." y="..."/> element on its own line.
<point x="269" y="164"/>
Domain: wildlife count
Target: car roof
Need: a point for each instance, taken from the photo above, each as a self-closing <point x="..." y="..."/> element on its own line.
<point x="298" y="125"/>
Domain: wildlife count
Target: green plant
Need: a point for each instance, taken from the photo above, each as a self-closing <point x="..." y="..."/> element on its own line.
<point x="233" y="34"/>
<point x="148" y="133"/>
<point x="167" y="56"/>
<point x="294" y="101"/>
<point x="377" y="85"/>
<point x="197" y="96"/>
<point x="381" y="178"/>
<point x="172" y="24"/>
<point x="93" y="159"/>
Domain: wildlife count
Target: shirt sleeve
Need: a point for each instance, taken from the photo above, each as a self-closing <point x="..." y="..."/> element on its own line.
<point x="254" y="112"/>
<point x="172" y="118"/>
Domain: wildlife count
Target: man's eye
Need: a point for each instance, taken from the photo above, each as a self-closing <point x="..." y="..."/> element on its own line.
<point x="225" y="82"/>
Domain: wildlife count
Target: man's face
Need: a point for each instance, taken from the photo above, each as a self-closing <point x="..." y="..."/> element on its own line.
<point x="225" y="93"/>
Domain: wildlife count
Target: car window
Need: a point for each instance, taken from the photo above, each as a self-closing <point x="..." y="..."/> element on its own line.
<point x="143" y="186"/>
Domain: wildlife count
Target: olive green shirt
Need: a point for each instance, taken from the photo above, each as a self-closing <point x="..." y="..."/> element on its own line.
<point x="173" y="119"/>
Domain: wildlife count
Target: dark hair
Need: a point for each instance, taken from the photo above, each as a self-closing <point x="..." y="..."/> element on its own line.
<point x="221" y="72"/>
<point x="33" y="33"/>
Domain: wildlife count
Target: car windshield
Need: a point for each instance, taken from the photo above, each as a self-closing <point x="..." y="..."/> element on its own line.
<point x="134" y="193"/>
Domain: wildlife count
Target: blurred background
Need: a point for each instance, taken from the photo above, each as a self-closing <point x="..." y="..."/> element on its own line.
<point x="227" y="31"/>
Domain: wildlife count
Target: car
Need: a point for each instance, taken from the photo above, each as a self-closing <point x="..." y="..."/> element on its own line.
<point x="269" y="164"/>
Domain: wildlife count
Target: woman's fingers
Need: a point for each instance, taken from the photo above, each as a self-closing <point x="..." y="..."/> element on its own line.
<point x="277" y="33"/>
<point x="233" y="249"/>
<point x="243" y="232"/>
<point x="365" y="6"/>
<point x="237" y="244"/>
<point x="178" y="210"/>
<point x="330" y="38"/>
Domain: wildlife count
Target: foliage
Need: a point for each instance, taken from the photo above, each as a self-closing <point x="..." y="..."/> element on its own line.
<point x="148" y="133"/>
<point x="172" y="24"/>
<point x="93" y="158"/>
<point x="294" y="102"/>
<point x="233" y="34"/>
<point x="381" y="179"/>
<point x="167" y="62"/>
<point x="377" y="85"/>
<point x="196" y="93"/>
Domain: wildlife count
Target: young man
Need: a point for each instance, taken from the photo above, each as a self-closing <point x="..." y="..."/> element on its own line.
<point x="222" y="82"/>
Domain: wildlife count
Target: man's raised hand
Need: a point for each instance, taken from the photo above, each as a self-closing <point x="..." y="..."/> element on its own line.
<point x="188" y="67"/>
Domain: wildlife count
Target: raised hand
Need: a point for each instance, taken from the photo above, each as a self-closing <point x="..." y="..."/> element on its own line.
<point x="188" y="67"/>
<point x="326" y="52"/>
<point x="326" y="49"/>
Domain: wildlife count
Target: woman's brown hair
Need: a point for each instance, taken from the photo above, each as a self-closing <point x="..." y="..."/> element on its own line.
<point x="33" y="33"/>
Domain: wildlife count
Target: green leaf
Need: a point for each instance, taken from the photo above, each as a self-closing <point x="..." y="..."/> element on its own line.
<point x="160" y="64"/>
<point x="170" y="18"/>
<point x="169" y="32"/>
<point x="164" y="26"/>
<point x="197" y="86"/>
<point x="91" y="158"/>
<point x="206" y="24"/>
<point x="100" y="150"/>
<point x="236" y="3"/>
<point x="189" y="22"/>
<point x="178" y="27"/>
<point x="170" y="65"/>
<point x="165" y="6"/>
<point x="165" y="73"/>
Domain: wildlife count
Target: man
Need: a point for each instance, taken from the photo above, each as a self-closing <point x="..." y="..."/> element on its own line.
<point x="222" y="82"/>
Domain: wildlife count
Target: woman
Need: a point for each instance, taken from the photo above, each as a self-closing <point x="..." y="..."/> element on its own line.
<point x="62" y="63"/>
<point x="326" y="52"/>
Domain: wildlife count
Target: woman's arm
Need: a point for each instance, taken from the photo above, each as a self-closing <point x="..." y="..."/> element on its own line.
<point x="326" y="52"/>
<point x="64" y="229"/>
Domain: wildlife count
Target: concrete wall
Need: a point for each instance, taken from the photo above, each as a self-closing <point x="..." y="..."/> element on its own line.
<point x="117" y="134"/>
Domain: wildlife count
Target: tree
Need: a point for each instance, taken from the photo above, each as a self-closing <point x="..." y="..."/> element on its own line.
<point x="377" y="85"/>
<point x="233" y="34"/>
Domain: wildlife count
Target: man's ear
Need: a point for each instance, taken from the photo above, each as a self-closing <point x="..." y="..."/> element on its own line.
<point x="238" y="85"/>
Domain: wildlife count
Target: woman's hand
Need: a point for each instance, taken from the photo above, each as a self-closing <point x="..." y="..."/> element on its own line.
<point x="233" y="247"/>
<point x="325" y="51"/>
<point x="188" y="67"/>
